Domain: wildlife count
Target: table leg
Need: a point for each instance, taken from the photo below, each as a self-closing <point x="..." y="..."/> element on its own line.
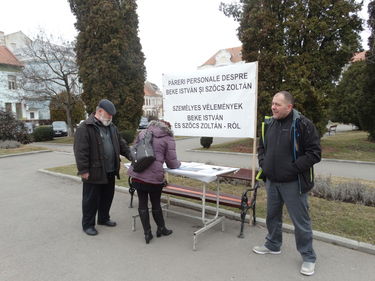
<point x="204" y="204"/>
<point x="217" y="199"/>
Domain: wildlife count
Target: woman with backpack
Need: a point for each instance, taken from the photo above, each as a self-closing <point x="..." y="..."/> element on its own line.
<point x="150" y="182"/>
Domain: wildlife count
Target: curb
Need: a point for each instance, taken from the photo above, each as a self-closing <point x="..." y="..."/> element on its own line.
<point x="251" y="155"/>
<point x="348" y="161"/>
<point x="78" y="179"/>
<point x="53" y="143"/>
<point x="318" y="235"/>
<point x="25" y="153"/>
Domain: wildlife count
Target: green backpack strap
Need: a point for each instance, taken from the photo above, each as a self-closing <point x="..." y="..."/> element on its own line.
<point x="259" y="174"/>
<point x="265" y="123"/>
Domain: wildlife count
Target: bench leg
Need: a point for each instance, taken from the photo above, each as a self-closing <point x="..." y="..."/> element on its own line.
<point x="244" y="208"/>
<point x="243" y="216"/>
<point x="168" y="204"/>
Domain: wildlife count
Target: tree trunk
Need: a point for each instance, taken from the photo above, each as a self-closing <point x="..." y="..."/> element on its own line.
<point x="69" y="120"/>
<point x="69" y="109"/>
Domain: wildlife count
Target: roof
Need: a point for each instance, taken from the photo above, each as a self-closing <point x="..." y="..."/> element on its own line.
<point x="236" y="56"/>
<point x="235" y="52"/>
<point x="7" y="57"/>
<point x="359" y="56"/>
<point x="151" y="90"/>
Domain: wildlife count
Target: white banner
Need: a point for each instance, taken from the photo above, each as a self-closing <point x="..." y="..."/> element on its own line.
<point x="215" y="102"/>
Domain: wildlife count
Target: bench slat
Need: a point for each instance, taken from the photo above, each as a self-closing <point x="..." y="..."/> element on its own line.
<point x="241" y="174"/>
<point x="195" y="193"/>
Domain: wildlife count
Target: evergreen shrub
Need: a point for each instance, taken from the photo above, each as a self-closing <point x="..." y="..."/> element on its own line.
<point x="13" y="129"/>
<point x="206" y="141"/>
<point x="128" y="135"/>
<point x="43" y="133"/>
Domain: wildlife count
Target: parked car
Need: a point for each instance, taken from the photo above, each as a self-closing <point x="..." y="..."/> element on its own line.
<point x="60" y="128"/>
<point x="143" y="123"/>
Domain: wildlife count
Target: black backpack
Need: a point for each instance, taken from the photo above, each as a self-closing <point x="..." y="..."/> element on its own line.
<point x="143" y="153"/>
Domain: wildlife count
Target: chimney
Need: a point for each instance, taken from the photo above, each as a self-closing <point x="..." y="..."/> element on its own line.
<point x="2" y="38"/>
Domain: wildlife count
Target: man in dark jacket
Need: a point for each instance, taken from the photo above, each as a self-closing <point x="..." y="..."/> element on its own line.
<point x="288" y="149"/>
<point x="97" y="146"/>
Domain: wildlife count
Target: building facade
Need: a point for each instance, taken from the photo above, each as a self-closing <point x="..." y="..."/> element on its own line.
<point x="153" y="101"/>
<point x="10" y="68"/>
<point x="11" y="95"/>
<point x="224" y="57"/>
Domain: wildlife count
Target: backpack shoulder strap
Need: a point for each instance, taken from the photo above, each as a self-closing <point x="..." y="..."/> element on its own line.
<point x="267" y="121"/>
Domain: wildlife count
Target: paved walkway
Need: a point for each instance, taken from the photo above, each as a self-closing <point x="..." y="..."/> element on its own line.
<point x="41" y="239"/>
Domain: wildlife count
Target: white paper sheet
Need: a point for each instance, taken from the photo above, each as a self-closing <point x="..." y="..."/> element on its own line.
<point x="199" y="171"/>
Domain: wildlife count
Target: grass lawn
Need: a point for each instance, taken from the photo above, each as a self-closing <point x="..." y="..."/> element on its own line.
<point x="351" y="145"/>
<point x="21" y="149"/>
<point x="67" y="140"/>
<point x="242" y="145"/>
<point x="352" y="221"/>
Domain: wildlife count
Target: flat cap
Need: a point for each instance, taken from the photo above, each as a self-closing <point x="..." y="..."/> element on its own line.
<point x="108" y="106"/>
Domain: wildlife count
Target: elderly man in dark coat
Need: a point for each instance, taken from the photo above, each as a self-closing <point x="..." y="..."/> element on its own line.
<point x="97" y="149"/>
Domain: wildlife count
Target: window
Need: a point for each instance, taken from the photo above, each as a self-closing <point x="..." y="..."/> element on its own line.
<point x="19" y="110"/>
<point x="32" y="115"/>
<point x="11" y="82"/>
<point x="8" y="107"/>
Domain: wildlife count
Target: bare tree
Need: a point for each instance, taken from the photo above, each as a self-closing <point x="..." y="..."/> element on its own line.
<point x="50" y="69"/>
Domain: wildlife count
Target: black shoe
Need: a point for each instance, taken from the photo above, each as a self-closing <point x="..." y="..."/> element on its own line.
<point x="91" y="231"/>
<point x="163" y="232"/>
<point x="108" y="223"/>
<point x="148" y="237"/>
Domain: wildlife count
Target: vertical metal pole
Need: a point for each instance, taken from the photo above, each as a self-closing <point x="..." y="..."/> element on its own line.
<point x="204" y="204"/>
<point x="217" y="198"/>
<point x="255" y="127"/>
<point x="194" y="242"/>
<point x="168" y="205"/>
<point x="255" y="130"/>
<point x="133" y="224"/>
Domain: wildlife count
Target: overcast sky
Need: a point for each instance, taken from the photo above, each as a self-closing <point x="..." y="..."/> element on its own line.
<point x="176" y="35"/>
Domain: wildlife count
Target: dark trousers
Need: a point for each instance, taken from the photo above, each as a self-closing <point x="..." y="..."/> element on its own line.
<point x="298" y="209"/>
<point x="145" y="191"/>
<point x="97" y="198"/>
